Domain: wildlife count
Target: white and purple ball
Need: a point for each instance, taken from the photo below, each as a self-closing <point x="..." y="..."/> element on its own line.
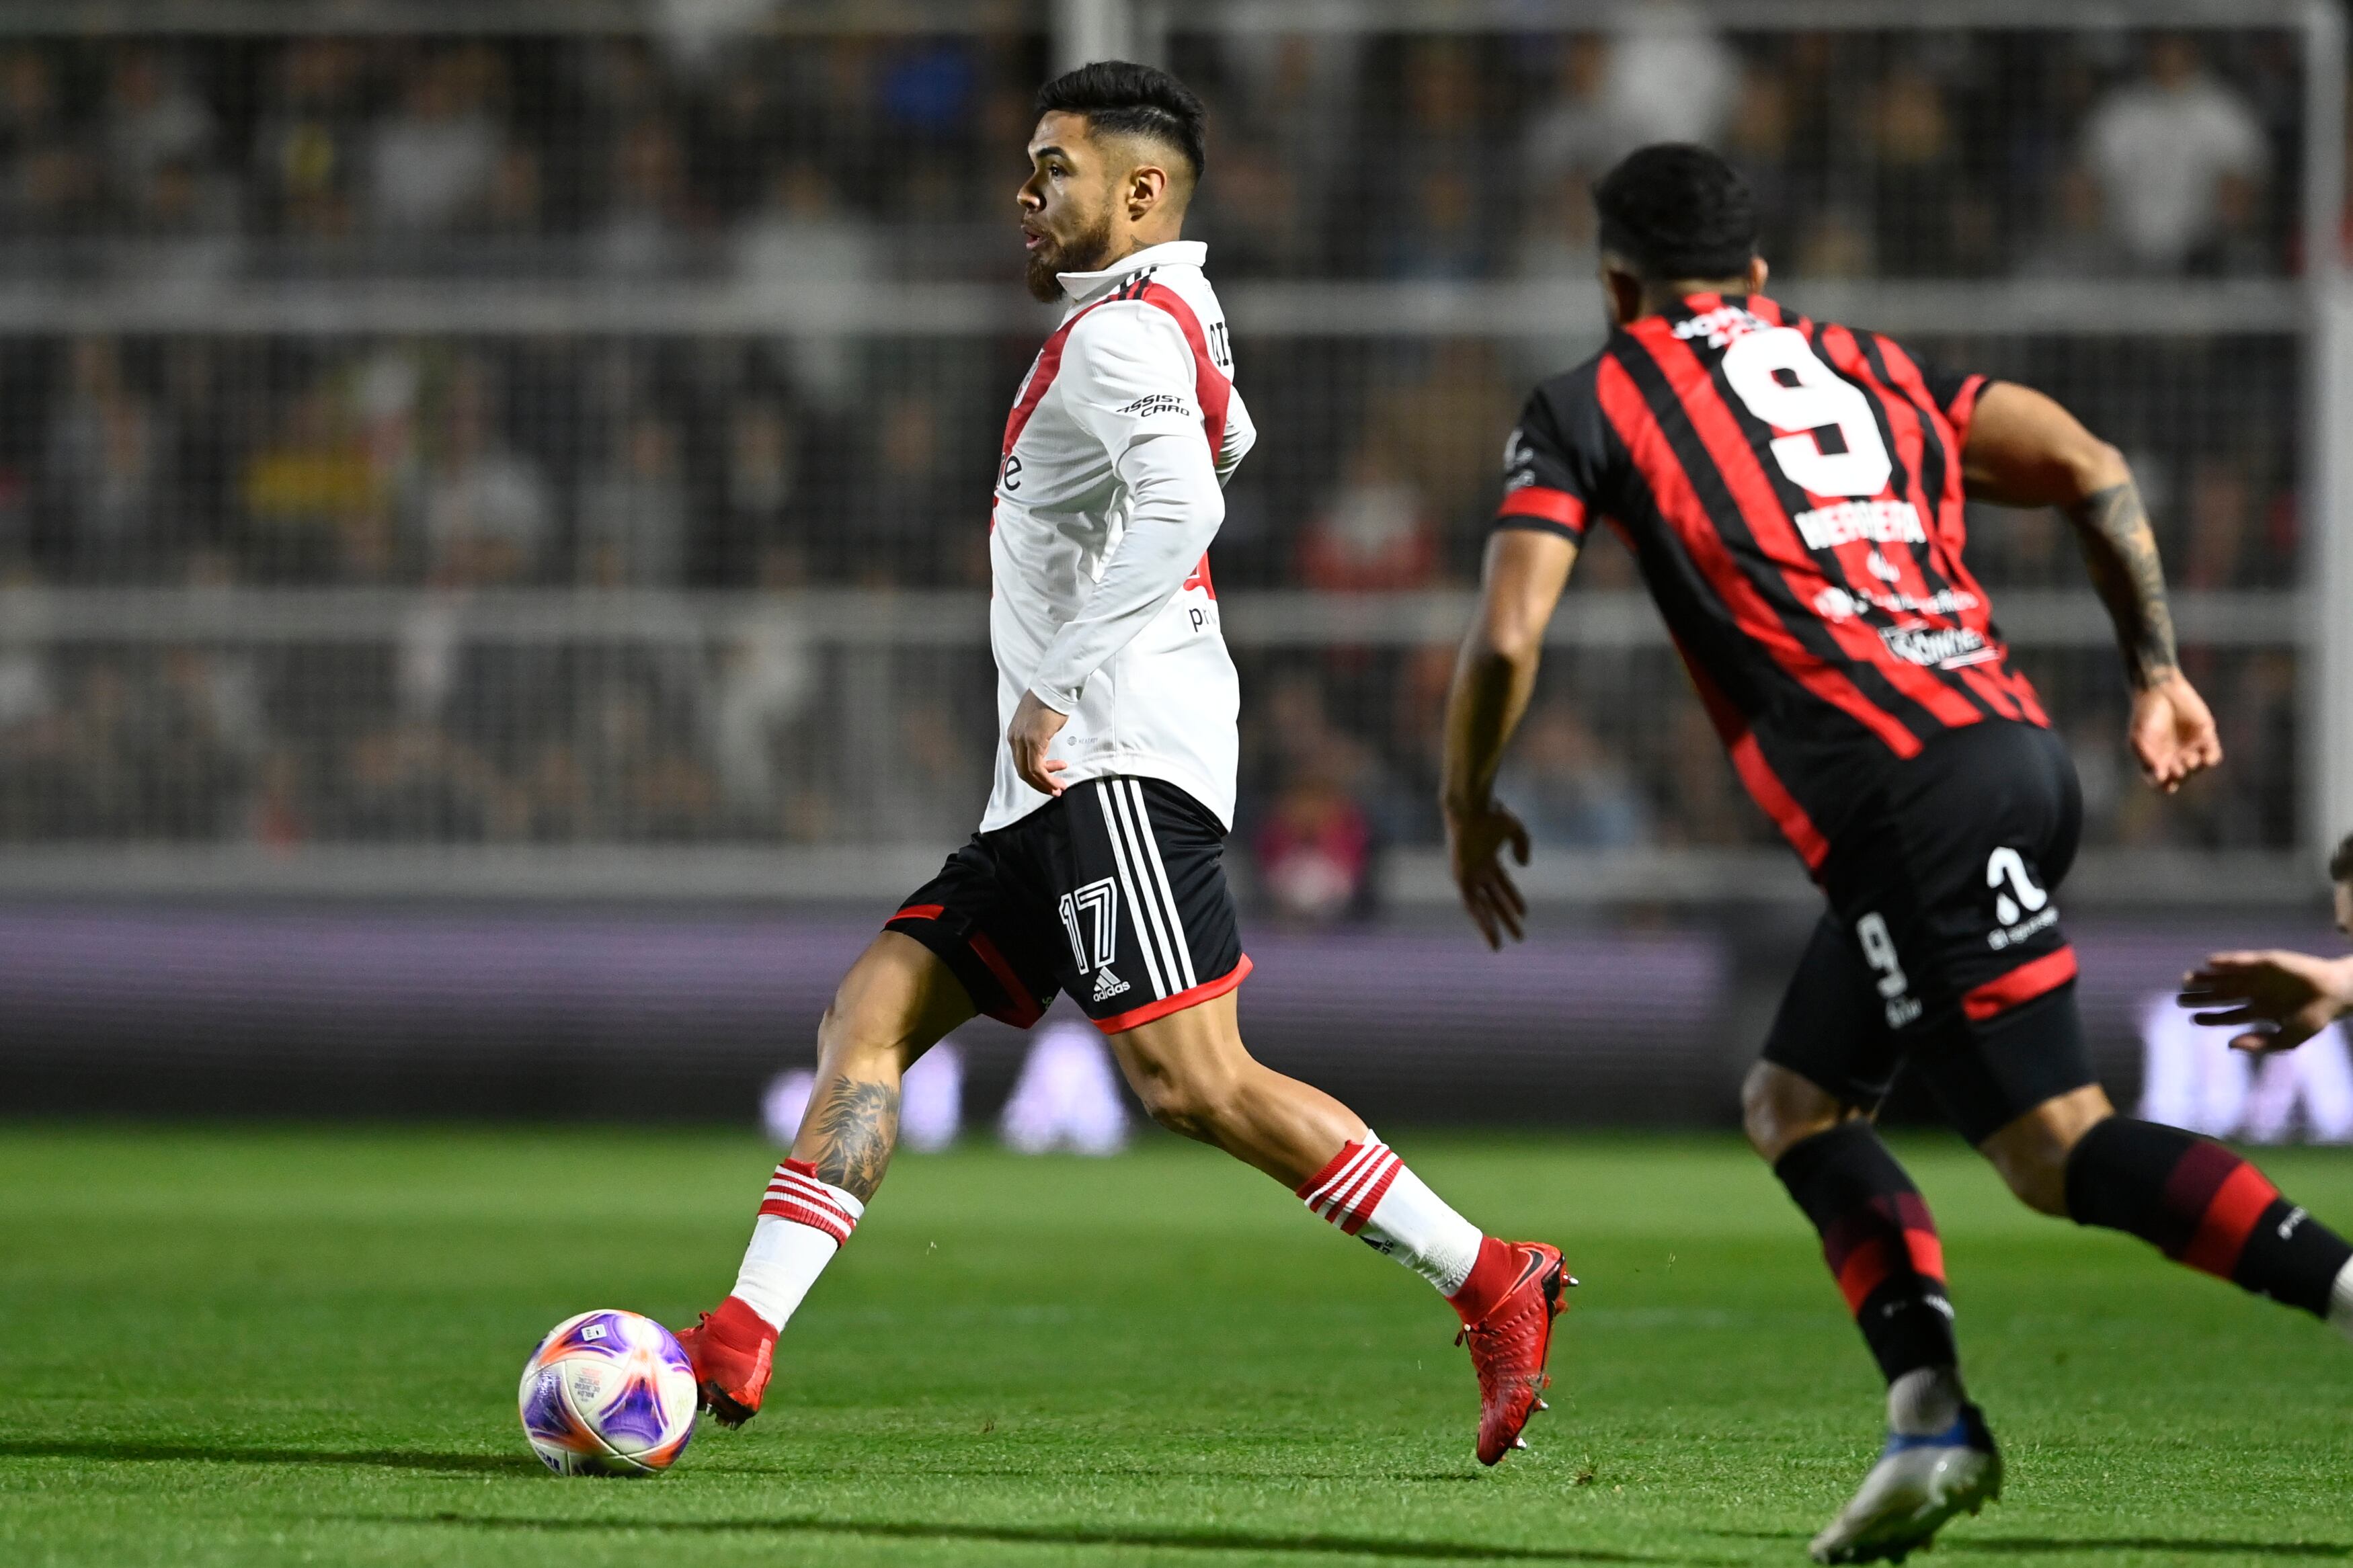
<point x="610" y="1394"/>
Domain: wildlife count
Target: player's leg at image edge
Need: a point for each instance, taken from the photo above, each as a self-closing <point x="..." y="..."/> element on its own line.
<point x="1192" y="1073"/>
<point x="2196" y="1201"/>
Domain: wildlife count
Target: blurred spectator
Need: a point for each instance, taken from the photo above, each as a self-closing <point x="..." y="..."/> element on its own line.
<point x="1440" y="238"/>
<point x="430" y="163"/>
<point x="1670" y="77"/>
<point x="645" y="232"/>
<point x="1315" y="851"/>
<point x="2180" y="158"/>
<point x="108" y="467"/>
<point x="48" y="189"/>
<point x="151" y="120"/>
<point x="1758" y="137"/>
<point x="2222" y="524"/>
<point x="1916" y="173"/>
<point x="1558" y="243"/>
<point x="1571" y="134"/>
<point x="307" y="148"/>
<point x="633" y="513"/>
<point x="767" y="678"/>
<point x="759" y="522"/>
<point x="1568" y="789"/>
<point x="482" y="506"/>
<point x="801" y="240"/>
<point x="894" y="522"/>
<point x="311" y="496"/>
<point x="1374" y="534"/>
<point x="2076" y="241"/>
<point x="1253" y="217"/>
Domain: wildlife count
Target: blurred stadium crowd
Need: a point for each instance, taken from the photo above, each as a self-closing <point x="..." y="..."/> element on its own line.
<point x="751" y="462"/>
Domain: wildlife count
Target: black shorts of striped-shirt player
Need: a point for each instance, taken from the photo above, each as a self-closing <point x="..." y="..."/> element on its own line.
<point x="1114" y="892"/>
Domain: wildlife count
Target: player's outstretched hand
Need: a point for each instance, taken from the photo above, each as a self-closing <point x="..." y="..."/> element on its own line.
<point x="2297" y="993"/>
<point x="1033" y="729"/>
<point x="1475" y="837"/>
<point x="2173" y="733"/>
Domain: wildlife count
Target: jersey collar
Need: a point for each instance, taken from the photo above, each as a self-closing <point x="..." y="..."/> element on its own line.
<point x="1085" y="288"/>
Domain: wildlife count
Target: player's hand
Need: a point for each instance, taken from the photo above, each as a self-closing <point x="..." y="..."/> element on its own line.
<point x="1475" y="837"/>
<point x="2172" y="732"/>
<point x="2299" y="994"/>
<point x="1033" y="729"/>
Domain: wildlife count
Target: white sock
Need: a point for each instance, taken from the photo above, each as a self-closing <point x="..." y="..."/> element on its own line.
<point x="803" y="1223"/>
<point x="1924" y="1401"/>
<point x="2340" y="1302"/>
<point x="1367" y="1192"/>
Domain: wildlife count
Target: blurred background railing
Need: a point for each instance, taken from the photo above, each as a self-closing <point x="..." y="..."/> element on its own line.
<point x="540" y="450"/>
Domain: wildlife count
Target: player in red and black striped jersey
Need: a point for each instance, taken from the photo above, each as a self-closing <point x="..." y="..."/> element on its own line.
<point x="1793" y="493"/>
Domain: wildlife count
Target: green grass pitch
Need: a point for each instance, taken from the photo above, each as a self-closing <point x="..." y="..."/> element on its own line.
<point x="257" y="1347"/>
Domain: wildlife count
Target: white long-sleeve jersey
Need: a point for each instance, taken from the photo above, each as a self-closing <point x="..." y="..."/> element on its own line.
<point x="1108" y="493"/>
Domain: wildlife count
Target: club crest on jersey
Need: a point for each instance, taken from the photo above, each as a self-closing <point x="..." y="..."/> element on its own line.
<point x="1941" y="647"/>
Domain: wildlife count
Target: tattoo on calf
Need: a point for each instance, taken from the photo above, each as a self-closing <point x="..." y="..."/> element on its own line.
<point x="858" y="1126"/>
<point x="2121" y="552"/>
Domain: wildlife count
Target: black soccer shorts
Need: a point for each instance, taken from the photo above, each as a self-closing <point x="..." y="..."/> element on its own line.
<point x="1942" y="946"/>
<point x="1116" y="892"/>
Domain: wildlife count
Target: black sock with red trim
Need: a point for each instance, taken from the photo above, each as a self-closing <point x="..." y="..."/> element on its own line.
<point x="1880" y="1242"/>
<point x="2202" y="1206"/>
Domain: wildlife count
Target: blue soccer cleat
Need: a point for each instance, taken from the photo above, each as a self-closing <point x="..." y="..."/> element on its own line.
<point x="1917" y="1485"/>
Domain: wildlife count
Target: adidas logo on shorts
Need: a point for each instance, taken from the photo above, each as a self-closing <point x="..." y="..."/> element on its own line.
<point x="1108" y="984"/>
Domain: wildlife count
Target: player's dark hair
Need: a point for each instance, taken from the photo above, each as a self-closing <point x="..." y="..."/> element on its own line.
<point x="2341" y="865"/>
<point x="1677" y="210"/>
<point x="1130" y="100"/>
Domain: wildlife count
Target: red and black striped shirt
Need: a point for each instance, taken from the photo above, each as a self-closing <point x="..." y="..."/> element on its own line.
<point x="1792" y="493"/>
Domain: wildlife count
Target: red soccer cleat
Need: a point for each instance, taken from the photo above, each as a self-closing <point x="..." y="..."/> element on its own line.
<point x="731" y="1350"/>
<point x="1508" y="1342"/>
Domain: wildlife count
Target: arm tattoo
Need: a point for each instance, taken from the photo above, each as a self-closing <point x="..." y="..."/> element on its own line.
<point x="2121" y="552"/>
<point x="856" y="1128"/>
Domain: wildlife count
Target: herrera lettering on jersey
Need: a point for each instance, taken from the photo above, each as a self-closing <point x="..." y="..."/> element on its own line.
<point x="1848" y="521"/>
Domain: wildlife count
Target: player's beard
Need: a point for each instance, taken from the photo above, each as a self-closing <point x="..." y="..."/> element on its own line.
<point x="1083" y="254"/>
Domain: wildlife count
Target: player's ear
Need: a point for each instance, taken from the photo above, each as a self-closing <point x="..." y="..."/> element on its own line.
<point x="1147" y="187"/>
<point x="1757" y="273"/>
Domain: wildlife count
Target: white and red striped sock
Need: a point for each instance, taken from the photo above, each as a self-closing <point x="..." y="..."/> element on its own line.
<point x="803" y="1223"/>
<point x="1367" y="1192"/>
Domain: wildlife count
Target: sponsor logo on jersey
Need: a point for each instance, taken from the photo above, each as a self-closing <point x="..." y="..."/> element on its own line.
<point x="1837" y="604"/>
<point x="1159" y="402"/>
<point x="1942" y="647"/>
<point x="1846" y="521"/>
<point x="1719" y="326"/>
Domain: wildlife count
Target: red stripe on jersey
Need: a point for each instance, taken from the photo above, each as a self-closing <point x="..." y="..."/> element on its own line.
<point x="2021" y="985"/>
<point x="1541" y="501"/>
<point x="919" y="912"/>
<point x="1951" y="527"/>
<point x="1766" y="788"/>
<point x="1638" y="427"/>
<point x="1211" y="387"/>
<point x="1910" y="436"/>
<point x="1765" y="310"/>
<point x="1041" y="381"/>
<point x="1768" y="521"/>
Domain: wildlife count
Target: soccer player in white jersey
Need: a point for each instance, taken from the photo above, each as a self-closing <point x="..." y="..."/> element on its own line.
<point x="1097" y="867"/>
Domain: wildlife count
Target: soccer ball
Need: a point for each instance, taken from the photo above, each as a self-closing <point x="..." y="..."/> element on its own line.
<point x="608" y="1394"/>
